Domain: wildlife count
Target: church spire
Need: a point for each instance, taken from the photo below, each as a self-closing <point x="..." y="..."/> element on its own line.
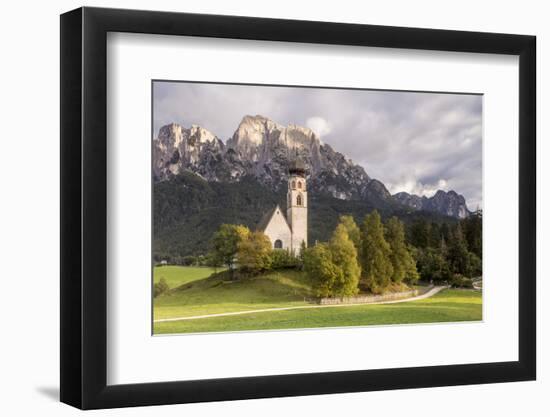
<point x="297" y="166"/>
<point x="296" y="213"/>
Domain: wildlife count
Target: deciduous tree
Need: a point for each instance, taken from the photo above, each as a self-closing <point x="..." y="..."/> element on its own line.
<point x="225" y="243"/>
<point x="254" y="253"/>
<point x="321" y="270"/>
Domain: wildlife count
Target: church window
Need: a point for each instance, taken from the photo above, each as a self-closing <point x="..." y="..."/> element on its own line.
<point x="299" y="200"/>
<point x="293" y="184"/>
<point x="299" y="184"/>
<point x="278" y="244"/>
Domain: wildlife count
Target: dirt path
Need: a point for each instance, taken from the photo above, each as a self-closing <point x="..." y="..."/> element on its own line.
<point x="431" y="292"/>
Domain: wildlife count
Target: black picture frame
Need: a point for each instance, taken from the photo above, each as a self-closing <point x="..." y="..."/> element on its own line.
<point x="84" y="207"/>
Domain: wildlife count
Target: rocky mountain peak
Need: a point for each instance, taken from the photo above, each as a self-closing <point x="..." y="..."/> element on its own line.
<point x="199" y="134"/>
<point x="449" y="203"/>
<point x="263" y="149"/>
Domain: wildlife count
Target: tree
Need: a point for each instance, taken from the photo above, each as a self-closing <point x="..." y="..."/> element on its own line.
<point x="375" y="253"/>
<point x="434" y="235"/>
<point x="444" y="231"/>
<point x="432" y="265"/>
<point x="225" y="243"/>
<point x="458" y="255"/>
<point x="254" y="253"/>
<point x="401" y="260"/>
<point x="344" y="256"/>
<point x="321" y="270"/>
<point x="472" y="227"/>
<point x="333" y="268"/>
<point x="160" y="287"/>
<point x="420" y="234"/>
<point x="353" y="230"/>
<point x="411" y="268"/>
<point x="475" y="265"/>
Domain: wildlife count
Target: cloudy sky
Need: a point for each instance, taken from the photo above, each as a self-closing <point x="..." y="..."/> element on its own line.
<point x="414" y="142"/>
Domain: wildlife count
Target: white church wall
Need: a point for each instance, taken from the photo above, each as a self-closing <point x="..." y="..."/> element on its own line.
<point x="299" y="227"/>
<point x="277" y="228"/>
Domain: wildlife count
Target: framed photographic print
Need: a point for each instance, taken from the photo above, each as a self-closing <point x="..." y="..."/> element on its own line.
<point x="257" y="208"/>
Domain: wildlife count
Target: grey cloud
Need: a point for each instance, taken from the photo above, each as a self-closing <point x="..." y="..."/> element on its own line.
<point x="411" y="141"/>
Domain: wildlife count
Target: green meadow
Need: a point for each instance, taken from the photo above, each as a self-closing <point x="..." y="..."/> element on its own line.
<point x="198" y="291"/>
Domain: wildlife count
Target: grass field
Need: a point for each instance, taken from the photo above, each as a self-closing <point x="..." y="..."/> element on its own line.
<point x="196" y="293"/>
<point x="179" y="275"/>
<point x="214" y="295"/>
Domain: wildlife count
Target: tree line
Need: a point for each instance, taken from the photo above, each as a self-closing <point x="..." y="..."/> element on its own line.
<point x="370" y="257"/>
<point x="374" y="256"/>
<point x="448" y="252"/>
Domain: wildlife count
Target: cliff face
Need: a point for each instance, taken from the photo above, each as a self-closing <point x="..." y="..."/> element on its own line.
<point x="262" y="149"/>
<point x="448" y="203"/>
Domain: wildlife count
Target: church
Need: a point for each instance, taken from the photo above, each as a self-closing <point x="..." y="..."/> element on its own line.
<point x="290" y="231"/>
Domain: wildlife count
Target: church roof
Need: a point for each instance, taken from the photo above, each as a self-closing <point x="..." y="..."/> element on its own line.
<point x="266" y="218"/>
<point x="297" y="166"/>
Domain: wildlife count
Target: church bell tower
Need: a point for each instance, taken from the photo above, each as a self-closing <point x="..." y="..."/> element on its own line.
<point x="296" y="212"/>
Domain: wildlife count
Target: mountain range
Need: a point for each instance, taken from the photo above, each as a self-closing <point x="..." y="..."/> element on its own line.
<point x="201" y="181"/>
<point x="262" y="149"/>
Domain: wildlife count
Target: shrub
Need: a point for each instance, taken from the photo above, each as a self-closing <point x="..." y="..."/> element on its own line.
<point x="160" y="287"/>
<point x="282" y="259"/>
<point x="460" y="281"/>
<point x="189" y="260"/>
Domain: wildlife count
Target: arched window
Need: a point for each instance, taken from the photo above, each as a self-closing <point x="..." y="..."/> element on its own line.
<point x="300" y="184"/>
<point x="293" y="184"/>
<point x="299" y="200"/>
<point x="278" y="244"/>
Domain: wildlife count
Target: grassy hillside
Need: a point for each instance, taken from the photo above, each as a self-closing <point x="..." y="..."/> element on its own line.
<point x="195" y="293"/>
<point x="179" y="275"/>
<point x="218" y="295"/>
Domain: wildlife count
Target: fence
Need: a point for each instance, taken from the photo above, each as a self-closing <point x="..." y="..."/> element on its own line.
<point x="365" y="299"/>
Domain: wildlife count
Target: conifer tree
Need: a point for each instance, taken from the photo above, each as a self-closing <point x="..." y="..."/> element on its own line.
<point x="344" y="256"/>
<point x="457" y="252"/>
<point x="375" y="253"/>
<point x="472" y="228"/>
<point x="353" y="230"/>
<point x="420" y="233"/>
<point x="401" y="260"/>
<point x="435" y="235"/>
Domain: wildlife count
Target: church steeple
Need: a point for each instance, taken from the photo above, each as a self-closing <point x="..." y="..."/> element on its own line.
<point x="297" y="203"/>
